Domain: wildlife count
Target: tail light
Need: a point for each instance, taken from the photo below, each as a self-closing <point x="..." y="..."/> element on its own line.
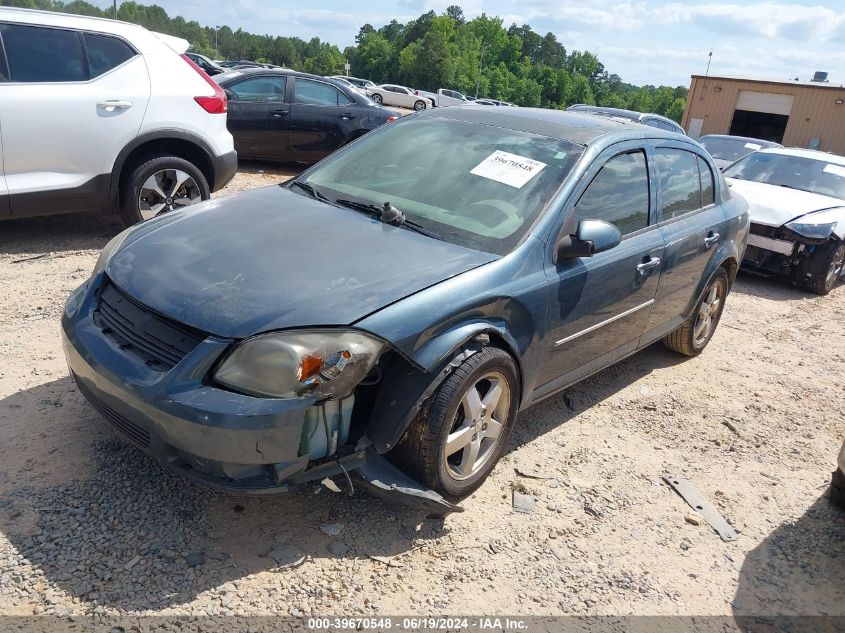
<point x="391" y="119"/>
<point x="216" y="104"/>
<point x="417" y="92"/>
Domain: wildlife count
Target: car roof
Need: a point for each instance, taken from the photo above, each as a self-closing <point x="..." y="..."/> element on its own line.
<point x="70" y="20"/>
<point x="620" y="112"/>
<point x="576" y="127"/>
<point x="812" y="154"/>
<point x="747" y="139"/>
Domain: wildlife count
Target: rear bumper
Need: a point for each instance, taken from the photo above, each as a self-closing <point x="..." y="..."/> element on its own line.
<point x="225" y="166"/>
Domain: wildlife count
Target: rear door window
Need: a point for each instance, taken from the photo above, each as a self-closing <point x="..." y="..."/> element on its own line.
<point x="259" y="89"/>
<point x="619" y="194"/>
<point x="37" y="54"/>
<point x="105" y="53"/>
<point x="680" y="185"/>
<point x="708" y="189"/>
<point x="316" y="93"/>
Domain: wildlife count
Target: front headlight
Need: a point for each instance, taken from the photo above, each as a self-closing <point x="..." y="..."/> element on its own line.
<point x="300" y="364"/>
<point x="108" y="250"/>
<point x="809" y="229"/>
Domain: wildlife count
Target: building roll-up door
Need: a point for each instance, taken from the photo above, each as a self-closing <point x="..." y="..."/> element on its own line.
<point x="767" y="102"/>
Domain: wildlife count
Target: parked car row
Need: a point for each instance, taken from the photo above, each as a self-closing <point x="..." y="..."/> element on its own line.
<point x="284" y="115"/>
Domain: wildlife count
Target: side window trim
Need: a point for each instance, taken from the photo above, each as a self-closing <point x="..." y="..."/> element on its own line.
<point x="686" y="148"/>
<point x="638" y="149"/>
<point x="79" y="34"/>
<point x="110" y="70"/>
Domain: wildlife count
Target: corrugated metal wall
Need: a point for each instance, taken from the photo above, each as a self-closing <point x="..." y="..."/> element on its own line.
<point x="815" y="112"/>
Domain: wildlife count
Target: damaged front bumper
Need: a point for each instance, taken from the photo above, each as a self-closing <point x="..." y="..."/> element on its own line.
<point x="220" y="439"/>
<point x="778" y="250"/>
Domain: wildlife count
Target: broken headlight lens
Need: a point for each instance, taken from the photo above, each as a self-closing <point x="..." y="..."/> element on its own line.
<point x="811" y="229"/>
<point x="300" y="364"/>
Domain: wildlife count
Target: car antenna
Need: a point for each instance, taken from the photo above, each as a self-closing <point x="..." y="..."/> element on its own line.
<point x="391" y="215"/>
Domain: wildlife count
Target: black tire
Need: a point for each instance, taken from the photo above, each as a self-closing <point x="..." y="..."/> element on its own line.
<point x="421" y="452"/>
<point x="820" y="272"/>
<point x="837" y="489"/>
<point x="419" y="105"/>
<point x="686" y="340"/>
<point x="378" y="99"/>
<point x="145" y="167"/>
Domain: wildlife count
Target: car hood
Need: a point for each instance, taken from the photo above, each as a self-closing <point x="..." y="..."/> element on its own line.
<point x="271" y="259"/>
<point x="774" y="205"/>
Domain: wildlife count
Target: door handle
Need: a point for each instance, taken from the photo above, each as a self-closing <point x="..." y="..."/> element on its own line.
<point x="114" y="104"/>
<point x="346" y="116"/>
<point x="280" y="113"/>
<point x="650" y="263"/>
<point x="711" y="239"/>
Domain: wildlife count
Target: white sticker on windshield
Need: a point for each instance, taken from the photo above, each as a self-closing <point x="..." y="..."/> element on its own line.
<point x="754" y="146"/>
<point x="509" y="169"/>
<point x="836" y="170"/>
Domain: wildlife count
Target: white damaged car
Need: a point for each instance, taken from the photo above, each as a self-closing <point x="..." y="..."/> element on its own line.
<point x="797" y="205"/>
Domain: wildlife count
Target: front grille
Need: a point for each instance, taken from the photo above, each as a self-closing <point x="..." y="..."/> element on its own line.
<point x="134" y="433"/>
<point x="156" y="340"/>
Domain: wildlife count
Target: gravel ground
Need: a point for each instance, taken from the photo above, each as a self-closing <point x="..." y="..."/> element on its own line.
<point x="89" y="525"/>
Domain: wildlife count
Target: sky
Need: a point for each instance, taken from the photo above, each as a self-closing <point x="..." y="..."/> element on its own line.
<point x="645" y="42"/>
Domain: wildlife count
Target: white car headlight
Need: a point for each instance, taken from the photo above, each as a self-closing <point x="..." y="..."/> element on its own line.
<point x="300" y="364"/>
<point x="108" y="250"/>
<point x="808" y="228"/>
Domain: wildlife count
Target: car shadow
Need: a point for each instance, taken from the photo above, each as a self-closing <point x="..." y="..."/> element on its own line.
<point x="773" y="288"/>
<point x="557" y="410"/>
<point x="130" y="535"/>
<point x="38" y="237"/>
<point x="795" y="579"/>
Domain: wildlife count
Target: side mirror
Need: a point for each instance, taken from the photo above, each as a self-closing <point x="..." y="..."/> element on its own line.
<point x="591" y="237"/>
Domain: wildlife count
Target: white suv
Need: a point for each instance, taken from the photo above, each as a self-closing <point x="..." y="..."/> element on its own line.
<point x="99" y="114"/>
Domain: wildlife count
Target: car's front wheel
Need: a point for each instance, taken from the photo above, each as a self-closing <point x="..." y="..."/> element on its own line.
<point x="456" y="441"/>
<point x="419" y="105"/>
<point x="378" y="99"/>
<point x="693" y="336"/>
<point x="824" y="268"/>
<point x="159" y="184"/>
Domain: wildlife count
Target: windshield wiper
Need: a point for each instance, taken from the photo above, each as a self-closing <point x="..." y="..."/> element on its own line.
<point x="388" y="214"/>
<point x="309" y="189"/>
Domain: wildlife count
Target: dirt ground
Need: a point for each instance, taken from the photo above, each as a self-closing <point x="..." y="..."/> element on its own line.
<point x="90" y="525"/>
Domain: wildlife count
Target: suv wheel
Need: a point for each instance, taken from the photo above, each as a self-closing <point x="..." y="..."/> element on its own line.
<point x="158" y="184"/>
<point x="456" y="441"/>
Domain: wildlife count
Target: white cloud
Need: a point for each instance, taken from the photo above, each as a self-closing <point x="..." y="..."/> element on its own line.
<point x="770" y="19"/>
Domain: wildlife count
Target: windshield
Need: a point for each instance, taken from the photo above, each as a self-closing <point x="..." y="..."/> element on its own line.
<point x="796" y="172"/>
<point x="729" y="148"/>
<point x="474" y="185"/>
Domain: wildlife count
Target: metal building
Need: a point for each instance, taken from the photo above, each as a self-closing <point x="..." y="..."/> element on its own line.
<point x="807" y="114"/>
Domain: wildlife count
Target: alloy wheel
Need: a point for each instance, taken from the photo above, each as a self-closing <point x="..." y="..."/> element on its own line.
<point x="835" y="268"/>
<point x="166" y="190"/>
<point x="708" y="311"/>
<point x="477" y="428"/>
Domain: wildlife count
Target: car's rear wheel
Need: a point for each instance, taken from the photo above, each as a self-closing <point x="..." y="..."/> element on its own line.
<point x="159" y="184"/>
<point x="378" y="99"/>
<point x="823" y="269"/>
<point x="456" y="441"/>
<point x="693" y="336"/>
<point x="419" y="105"/>
<point x="837" y="488"/>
